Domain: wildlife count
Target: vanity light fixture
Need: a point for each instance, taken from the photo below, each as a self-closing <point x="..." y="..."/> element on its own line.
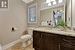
<point x="27" y="1"/>
<point x="3" y="4"/>
<point x="49" y="2"/>
<point x="53" y="2"/>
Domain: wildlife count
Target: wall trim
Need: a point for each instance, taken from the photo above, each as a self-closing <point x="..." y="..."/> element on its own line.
<point x="10" y="44"/>
<point x="0" y="47"/>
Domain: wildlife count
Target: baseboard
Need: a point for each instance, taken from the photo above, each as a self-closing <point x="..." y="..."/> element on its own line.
<point x="0" y="47"/>
<point x="10" y="44"/>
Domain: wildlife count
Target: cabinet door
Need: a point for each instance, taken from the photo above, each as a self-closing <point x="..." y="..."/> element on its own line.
<point x="36" y="40"/>
<point x="67" y="43"/>
<point x="62" y="47"/>
<point x="49" y="42"/>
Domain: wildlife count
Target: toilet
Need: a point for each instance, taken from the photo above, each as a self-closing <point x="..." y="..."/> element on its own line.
<point x="27" y="38"/>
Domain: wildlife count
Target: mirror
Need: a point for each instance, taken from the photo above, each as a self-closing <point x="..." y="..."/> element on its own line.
<point x="32" y="15"/>
<point x="52" y="15"/>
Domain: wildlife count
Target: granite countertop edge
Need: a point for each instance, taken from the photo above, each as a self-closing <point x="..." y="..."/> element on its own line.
<point x="53" y="30"/>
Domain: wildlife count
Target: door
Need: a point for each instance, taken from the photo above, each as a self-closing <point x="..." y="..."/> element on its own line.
<point x="36" y="40"/>
<point x="49" y="42"/>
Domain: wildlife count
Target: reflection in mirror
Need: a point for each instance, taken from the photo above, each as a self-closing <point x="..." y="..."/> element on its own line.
<point x="54" y="14"/>
<point x="54" y="2"/>
<point x="58" y="16"/>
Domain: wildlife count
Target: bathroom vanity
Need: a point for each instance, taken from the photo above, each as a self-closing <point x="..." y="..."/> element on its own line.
<point x="45" y="39"/>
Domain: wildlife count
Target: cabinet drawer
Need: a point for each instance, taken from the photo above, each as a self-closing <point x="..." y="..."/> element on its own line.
<point x="66" y="47"/>
<point x="65" y="44"/>
<point x="68" y="39"/>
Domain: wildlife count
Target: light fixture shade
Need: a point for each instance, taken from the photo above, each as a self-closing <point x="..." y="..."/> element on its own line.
<point x="27" y="1"/>
<point x="60" y="1"/>
<point x="48" y="1"/>
<point x="54" y="3"/>
<point x="52" y="0"/>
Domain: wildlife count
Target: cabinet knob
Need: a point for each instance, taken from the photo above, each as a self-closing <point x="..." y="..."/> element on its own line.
<point x="59" y="46"/>
<point x="66" y="40"/>
<point x="41" y="36"/>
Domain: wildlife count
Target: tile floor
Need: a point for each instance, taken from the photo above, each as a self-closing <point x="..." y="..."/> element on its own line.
<point x="18" y="46"/>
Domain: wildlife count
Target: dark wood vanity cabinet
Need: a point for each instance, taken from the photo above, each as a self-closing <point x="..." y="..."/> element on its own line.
<point x="51" y="41"/>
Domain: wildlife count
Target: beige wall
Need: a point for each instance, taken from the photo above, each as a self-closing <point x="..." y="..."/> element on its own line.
<point x="15" y="16"/>
<point x="73" y="13"/>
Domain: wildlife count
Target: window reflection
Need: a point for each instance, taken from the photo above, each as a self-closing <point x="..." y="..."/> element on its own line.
<point x="58" y="16"/>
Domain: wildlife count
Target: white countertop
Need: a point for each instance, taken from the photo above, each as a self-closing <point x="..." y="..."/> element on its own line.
<point x="54" y="30"/>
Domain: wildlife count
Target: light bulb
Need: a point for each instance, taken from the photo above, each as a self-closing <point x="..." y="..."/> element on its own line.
<point x="49" y="4"/>
<point x="5" y="4"/>
<point x="60" y="1"/>
<point x="2" y="4"/>
<point x="54" y="2"/>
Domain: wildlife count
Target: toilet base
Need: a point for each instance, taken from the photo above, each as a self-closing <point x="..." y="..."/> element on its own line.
<point x="27" y="43"/>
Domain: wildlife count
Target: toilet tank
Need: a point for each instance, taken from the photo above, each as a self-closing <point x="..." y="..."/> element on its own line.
<point x="30" y="31"/>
